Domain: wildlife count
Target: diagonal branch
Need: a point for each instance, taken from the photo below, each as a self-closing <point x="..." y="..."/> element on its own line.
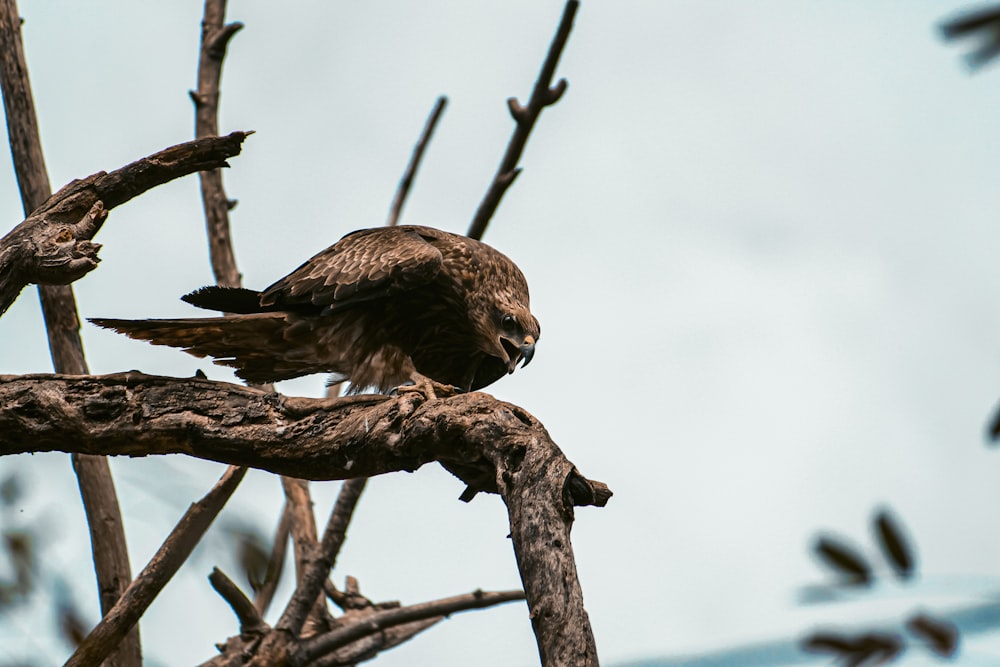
<point x="543" y="95"/>
<point x="411" y="169"/>
<point x="161" y="568"/>
<point x="380" y="620"/>
<point x="50" y="246"/>
<point x="251" y="622"/>
<point x="275" y="564"/>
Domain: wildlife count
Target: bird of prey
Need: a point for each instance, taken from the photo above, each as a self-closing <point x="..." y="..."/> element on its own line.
<point x="380" y="308"/>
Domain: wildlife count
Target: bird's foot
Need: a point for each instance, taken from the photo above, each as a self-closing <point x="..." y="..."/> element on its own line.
<point x="431" y="389"/>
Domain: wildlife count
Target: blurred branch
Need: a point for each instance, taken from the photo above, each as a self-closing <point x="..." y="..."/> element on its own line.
<point x="50" y="245"/>
<point x="411" y="169"/>
<point x="215" y="36"/>
<point x="275" y="564"/>
<point x="543" y="95"/>
<point x="161" y="568"/>
<point x="983" y="24"/>
<point x="63" y="256"/>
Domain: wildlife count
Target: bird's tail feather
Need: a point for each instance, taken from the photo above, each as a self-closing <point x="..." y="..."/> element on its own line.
<point x="246" y="343"/>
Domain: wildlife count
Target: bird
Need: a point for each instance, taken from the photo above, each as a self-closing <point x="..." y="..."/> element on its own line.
<point x="382" y="309"/>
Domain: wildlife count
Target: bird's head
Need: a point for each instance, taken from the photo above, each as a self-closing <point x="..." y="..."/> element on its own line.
<point x="517" y="331"/>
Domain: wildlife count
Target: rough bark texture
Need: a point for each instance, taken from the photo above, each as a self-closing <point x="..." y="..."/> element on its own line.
<point x="52" y="246"/>
<point x="97" y="489"/>
<point x="494" y="446"/>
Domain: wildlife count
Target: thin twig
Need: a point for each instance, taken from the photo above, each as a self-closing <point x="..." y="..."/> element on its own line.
<point x="161" y="567"/>
<point x="543" y="95"/>
<point x="250" y="619"/>
<point x="411" y="169"/>
<point x="215" y="36"/>
<point x="323" y="558"/>
<point x="370" y="646"/>
<point x="97" y="489"/>
<point x="275" y="564"/>
<point x="380" y="620"/>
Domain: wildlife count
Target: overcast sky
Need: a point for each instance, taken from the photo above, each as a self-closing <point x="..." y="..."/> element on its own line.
<point x="761" y="239"/>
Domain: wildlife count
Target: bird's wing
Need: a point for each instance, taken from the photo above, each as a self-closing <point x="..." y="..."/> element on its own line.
<point x="364" y="265"/>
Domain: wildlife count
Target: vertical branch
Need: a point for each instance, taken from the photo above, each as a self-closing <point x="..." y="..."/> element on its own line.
<point x="215" y="36"/>
<point x="411" y="169"/>
<point x="275" y="564"/>
<point x="543" y="95"/>
<point x="107" y="534"/>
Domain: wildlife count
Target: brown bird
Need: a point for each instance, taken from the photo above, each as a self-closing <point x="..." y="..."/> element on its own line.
<point x="380" y="308"/>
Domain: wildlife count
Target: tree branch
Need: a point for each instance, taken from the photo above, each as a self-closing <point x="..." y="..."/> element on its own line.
<point x="137" y="415"/>
<point x="251" y="622"/>
<point x="275" y="564"/>
<point x="161" y="568"/>
<point x="62" y="325"/>
<point x="49" y="246"/>
<point x="543" y="95"/>
<point x="215" y="36"/>
<point x="377" y="621"/>
<point x="411" y="169"/>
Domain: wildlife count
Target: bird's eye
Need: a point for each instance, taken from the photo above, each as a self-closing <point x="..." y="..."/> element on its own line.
<point x="508" y="322"/>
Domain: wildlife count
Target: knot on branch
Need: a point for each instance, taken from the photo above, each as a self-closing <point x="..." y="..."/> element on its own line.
<point x="64" y="252"/>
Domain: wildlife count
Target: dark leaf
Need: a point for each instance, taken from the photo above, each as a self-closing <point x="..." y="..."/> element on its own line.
<point x="10" y="490"/>
<point x="894" y="545"/>
<point x="868" y="649"/>
<point x="845" y="560"/>
<point x="984" y="24"/>
<point x="940" y="635"/>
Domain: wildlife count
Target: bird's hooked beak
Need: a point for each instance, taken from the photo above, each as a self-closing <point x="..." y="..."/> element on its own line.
<point x="515" y="352"/>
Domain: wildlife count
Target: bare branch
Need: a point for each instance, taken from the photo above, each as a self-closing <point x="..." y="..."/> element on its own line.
<point x="368" y="647"/>
<point x="275" y="564"/>
<point x="543" y="95"/>
<point x="298" y="501"/>
<point x="215" y="36"/>
<point x="58" y="227"/>
<point x="411" y="169"/>
<point x="62" y="253"/>
<point x="251" y="622"/>
<point x="162" y="566"/>
<point x="377" y="621"/>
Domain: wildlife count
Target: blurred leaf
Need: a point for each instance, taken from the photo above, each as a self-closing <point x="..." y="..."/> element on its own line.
<point x="894" y="545"/>
<point x="984" y="24"/>
<point x="844" y="559"/>
<point x="10" y="490"/>
<point x="940" y="635"/>
<point x="18" y="545"/>
<point x="994" y="428"/>
<point x="252" y="552"/>
<point x="72" y="626"/>
<point x="867" y="649"/>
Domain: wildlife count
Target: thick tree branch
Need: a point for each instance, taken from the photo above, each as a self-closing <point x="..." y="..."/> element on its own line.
<point x="135" y="414"/>
<point x="543" y="95"/>
<point x="411" y="168"/>
<point x="62" y="325"/>
<point x="161" y="568"/>
<point x="215" y="36"/>
<point x="51" y="245"/>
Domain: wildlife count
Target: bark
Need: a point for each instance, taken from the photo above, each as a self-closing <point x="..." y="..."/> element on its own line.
<point x="52" y="246"/>
<point x="494" y="446"/>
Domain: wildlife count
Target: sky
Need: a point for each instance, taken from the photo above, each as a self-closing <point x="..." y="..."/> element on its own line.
<point x="760" y="239"/>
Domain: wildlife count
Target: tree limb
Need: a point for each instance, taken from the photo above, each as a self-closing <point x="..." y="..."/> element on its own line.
<point x="52" y="245"/>
<point x="137" y="415"/>
<point x="62" y="325"/>
<point x="544" y="94"/>
<point x="251" y="622"/>
<point x="411" y="168"/>
<point x="133" y="603"/>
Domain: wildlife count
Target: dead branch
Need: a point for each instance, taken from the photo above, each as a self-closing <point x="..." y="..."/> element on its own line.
<point x="215" y="36"/>
<point x="49" y="246"/>
<point x="251" y="622"/>
<point x="62" y="325"/>
<point x="275" y="564"/>
<point x="380" y="620"/>
<point x="411" y="168"/>
<point x="544" y="94"/>
<point x="137" y="415"/>
<point x="133" y="603"/>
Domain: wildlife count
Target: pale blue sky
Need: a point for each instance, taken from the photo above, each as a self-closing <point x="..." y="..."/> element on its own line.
<point x="760" y="238"/>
